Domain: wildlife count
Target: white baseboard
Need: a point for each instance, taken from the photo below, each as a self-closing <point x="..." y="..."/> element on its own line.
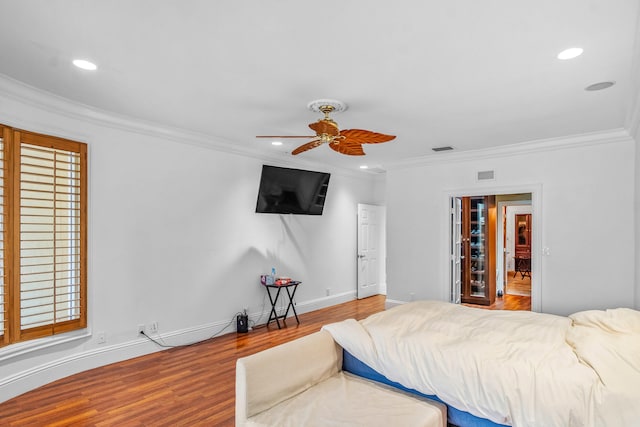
<point x="20" y="382"/>
<point x="23" y="381"/>
<point x="324" y="302"/>
<point x="261" y="318"/>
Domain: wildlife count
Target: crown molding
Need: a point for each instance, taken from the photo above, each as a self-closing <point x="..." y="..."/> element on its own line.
<point x="41" y="99"/>
<point x="530" y="147"/>
<point x="55" y="104"/>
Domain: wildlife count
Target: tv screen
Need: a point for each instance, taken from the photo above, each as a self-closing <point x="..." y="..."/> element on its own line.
<point x="291" y="191"/>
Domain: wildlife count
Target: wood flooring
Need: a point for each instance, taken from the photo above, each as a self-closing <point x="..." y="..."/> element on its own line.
<point x="516" y="297"/>
<point x="185" y="386"/>
<point x="517" y="284"/>
<point x="507" y="302"/>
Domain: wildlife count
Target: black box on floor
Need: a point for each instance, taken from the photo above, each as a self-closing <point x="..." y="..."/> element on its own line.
<point x="242" y="323"/>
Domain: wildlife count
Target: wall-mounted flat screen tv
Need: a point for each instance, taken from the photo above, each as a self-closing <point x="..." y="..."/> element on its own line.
<point x="292" y="191"/>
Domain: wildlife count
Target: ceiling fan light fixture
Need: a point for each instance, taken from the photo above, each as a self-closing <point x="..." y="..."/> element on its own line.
<point x="346" y="141"/>
<point x="319" y="105"/>
<point x="570" y="53"/>
<point x="276" y="143"/>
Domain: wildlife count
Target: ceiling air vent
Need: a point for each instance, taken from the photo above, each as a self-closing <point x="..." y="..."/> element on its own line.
<point x="437" y="149"/>
<point x="485" y="175"/>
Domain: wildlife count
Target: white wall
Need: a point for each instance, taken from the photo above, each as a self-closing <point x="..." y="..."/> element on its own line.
<point x="632" y="123"/>
<point x="637" y="216"/>
<point x="174" y="238"/>
<point x="587" y="218"/>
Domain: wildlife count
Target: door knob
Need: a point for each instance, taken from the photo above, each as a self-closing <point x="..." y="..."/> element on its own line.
<point x="360" y="256"/>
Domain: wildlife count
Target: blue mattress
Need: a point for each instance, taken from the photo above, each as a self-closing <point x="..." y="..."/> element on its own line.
<point x="454" y="415"/>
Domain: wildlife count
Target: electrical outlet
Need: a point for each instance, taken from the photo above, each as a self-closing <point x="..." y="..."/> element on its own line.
<point x="328" y="291"/>
<point x="412" y="296"/>
<point x="101" y="337"/>
<point x="140" y="329"/>
<point x="153" y="327"/>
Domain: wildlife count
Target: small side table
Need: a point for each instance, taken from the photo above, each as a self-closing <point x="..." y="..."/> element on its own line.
<point x="290" y="288"/>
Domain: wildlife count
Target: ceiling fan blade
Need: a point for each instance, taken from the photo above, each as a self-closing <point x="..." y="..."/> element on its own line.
<point x="346" y="147"/>
<point x="361" y="136"/>
<point x="307" y="146"/>
<point x="325" y="126"/>
<point x="285" y="136"/>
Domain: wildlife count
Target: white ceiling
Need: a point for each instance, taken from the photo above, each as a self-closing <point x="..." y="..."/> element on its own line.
<point x="466" y="73"/>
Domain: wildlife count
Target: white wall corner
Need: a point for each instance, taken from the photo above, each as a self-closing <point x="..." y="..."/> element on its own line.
<point x="383" y="288"/>
<point x="632" y="123"/>
<point x="637" y="215"/>
<point x="637" y="224"/>
<point x="636" y="136"/>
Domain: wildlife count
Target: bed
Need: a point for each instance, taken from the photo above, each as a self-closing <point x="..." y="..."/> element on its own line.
<point x="513" y="368"/>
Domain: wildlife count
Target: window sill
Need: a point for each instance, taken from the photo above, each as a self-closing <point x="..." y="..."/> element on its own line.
<point x="15" y="350"/>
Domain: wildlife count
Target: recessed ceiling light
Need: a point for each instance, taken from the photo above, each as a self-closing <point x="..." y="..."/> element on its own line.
<point x="599" y="86"/>
<point x="276" y="143"/>
<point x="85" y="65"/>
<point x="570" y="53"/>
<point x="364" y="167"/>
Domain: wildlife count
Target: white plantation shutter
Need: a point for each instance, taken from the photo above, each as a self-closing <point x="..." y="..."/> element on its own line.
<point x="47" y="237"/>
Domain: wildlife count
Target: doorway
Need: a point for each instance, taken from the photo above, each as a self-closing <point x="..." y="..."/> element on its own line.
<point x="516" y="218"/>
<point x="371" y="249"/>
<point x="507" y="242"/>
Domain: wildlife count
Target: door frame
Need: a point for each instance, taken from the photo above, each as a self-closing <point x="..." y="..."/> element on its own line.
<point x="536" y="237"/>
<point x="455" y="254"/>
<point x="500" y="264"/>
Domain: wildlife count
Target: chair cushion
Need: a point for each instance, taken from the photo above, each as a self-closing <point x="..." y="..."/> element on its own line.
<point x="266" y="378"/>
<point x="348" y="400"/>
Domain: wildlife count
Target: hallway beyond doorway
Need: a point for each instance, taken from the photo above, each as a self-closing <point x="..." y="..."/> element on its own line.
<point x="518" y="284"/>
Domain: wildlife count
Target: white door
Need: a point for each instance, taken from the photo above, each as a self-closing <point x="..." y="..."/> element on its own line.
<point x="456" y="249"/>
<point x="370" y="240"/>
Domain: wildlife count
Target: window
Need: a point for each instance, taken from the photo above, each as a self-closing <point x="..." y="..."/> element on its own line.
<point x="43" y="252"/>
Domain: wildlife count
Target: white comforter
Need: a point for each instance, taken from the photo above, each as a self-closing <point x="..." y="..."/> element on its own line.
<point x="512" y="367"/>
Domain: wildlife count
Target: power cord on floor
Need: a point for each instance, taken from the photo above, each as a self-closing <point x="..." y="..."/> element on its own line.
<point x="254" y="323"/>
<point x="160" y="342"/>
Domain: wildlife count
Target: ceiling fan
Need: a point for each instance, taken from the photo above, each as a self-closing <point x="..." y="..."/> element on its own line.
<point x="348" y="141"/>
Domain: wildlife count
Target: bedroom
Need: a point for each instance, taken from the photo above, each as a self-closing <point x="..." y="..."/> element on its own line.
<point x="174" y="238"/>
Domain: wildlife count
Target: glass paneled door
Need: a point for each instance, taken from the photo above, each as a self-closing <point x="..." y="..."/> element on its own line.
<point x="457" y="255"/>
<point x="478" y="249"/>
